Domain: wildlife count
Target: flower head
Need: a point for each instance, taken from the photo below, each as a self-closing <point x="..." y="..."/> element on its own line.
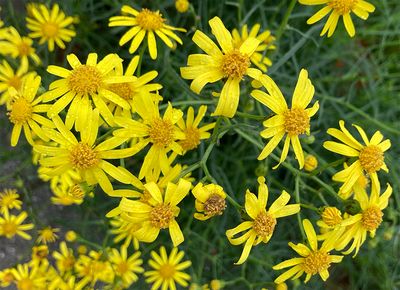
<point x="48" y="235"/>
<point x="369" y="157"/>
<point x="65" y="259"/>
<point x="145" y="22"/>
<point x="339" y="8"/>
<point x="291" y="122"/>
<point x="262" y="224"/>
<point x="182" y="5"/>
<point x="9" y="199"/>
<point x="229" y="63"/>
<point x="28" y="277"/>
<point x="210" y="200"/>
<point x="11" y="225"/>
<point x="167" y="269"/>
<point x="52" y="26"/>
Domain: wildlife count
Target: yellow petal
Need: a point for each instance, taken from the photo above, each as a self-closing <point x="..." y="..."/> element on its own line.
<point x="348" y="24"/>
<point x="246" y="249"/>
<point x="319" y="15"/>
<point x="229" y="99"/>
<point x="310" y="233"/>
<point x="222" y="34"/>
<point x="175" y="233"/>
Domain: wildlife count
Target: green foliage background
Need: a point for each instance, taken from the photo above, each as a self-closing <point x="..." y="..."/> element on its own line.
<point x="356" y="79"/>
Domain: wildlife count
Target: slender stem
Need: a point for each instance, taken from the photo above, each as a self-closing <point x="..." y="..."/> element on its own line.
<point x="297" y="193"/>
<point x="141" y="53"/>
<point x="309" y="207"/>
<point x="234" y="203"/>
<point x="285" y="20"/>
<point x="249" y="116"/>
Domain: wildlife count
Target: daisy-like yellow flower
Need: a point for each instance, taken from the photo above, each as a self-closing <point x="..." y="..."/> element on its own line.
<point x="194" y="134"/>
<point x="24" y="111"/>
<point x="262" y="225"/>
<point x="93" y="268"/>
<point x="210" y="200"/>
<point x="167" y="270"/>
<point x="361" y="184"/>
<point x="6" y="277"/>
<point x="26" y="277"/>
<point x="10" y="78"/>
<point x="313" y="260"/>
<point x="39" y="255"/>
<point x="230" y="64"/>
<point x="9" y="199"/>
<point x="293" y="122"/>
<point x="266" y="39"/>
<point x="144" y="23"/>
<point x="367" y="221"/>
<point x="369" y="157"/>
<point x="67" y="196"/>
<point x="162" y="133"/>
<point x="11" y="225"/>
<point x="83" y="155"/>
<point x="47" y="235"/>
<point x="182" y="5"/>
<point x="125" y="230"/>
<point x="52" y="26"/>
<point x="126" y="268"/>
<point x="65" y="259"/>
<point x="83" y="85"/>
<point x="18" y="46"/>
<point x="158" y="213"/>
<point x="140" y="85"/>
<point x="339" y="8"/>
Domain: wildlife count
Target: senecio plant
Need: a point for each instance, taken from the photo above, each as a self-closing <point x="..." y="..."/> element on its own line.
<point x="99" y="124"/>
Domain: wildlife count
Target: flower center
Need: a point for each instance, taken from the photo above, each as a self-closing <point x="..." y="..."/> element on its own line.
<point x="50" y="29"/>
<point x="167" y="271"/>
<point x="24" y="48"/>
<point x="68" y="262"/>
<point x="149" y="20"/>
<point x="82" y="156"/>
<point x="161" y="132"/>
<point x="235" y="64"/>
<point x="15" y="82"/>
<point x="122" y="268"/>
<point x="371" y="218"/>
<point x="8" y="277"/>
<point x="10" y="228"/>
<point x="264" y="224"/>
<point x="316" y="262"/>
<point x="21" y="111"/>
<point x="192" y="139"/>
<point x="342" y="6"/>
<point x="214" y="205"/>
<point x="331" y="216"/>
<point x="124" y="90"/>
<point x="76" y="191"/>
<point x="85" y="79"/>
<point x="25" y="284"/>
<point x="371" y="158"/>
<point x="296" y="122"/>
<point x="161" y="215"/>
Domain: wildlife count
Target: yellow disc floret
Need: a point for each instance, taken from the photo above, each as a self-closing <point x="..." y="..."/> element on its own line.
<point x="161" y="215"/>
<point x="82" y="156"/>
<point x="264" y="224"/>
<point x="124" y="90"/>
<point x="342" y="6"/>
<point x="21" y="111"/>
<point x="235" y="64"/>
<point x="372" y="218"/>
<point x="85" y="79"/>
<point x="161" y="132"/>
<point x="296" y="122"/>
<point x="50" y="29"/>
<point x="371" y="158"/>
<point x="331" y="216"/>
<point x="316" y="262"/>
<point x="192" y="139"/>
<point x="167" y="271"/>
<point x="214" y="205"/>
<point x="149" y="20"/>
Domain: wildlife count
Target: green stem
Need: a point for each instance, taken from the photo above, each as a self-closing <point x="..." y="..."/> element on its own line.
<point x="297" y="194"/>
<point x="309" y="207"/>
<point x="141" y="53"/>
<point x="285" y="20"/>
<point x="249" y="116"/>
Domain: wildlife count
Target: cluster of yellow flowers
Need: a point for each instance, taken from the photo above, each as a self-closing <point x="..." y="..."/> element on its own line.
<point x="101" y="124"/>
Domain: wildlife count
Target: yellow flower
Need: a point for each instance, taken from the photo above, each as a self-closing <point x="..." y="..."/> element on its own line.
<point x="310" y="163"/>
<point x="83" y="85"/>
<point x="162" y="133"/>
<point x="6" y="277"/>
<point x="194" y="134"/>
<point x="65" y="259"/>
<point x="262" y="225"/>
<point x="369" y="157"/>
<point x="93" y="268"/>
<point x="258" y="58"/>
<point x="230" y="64"/>
<point x="313" y="260"/>
<point x="19" y="47"/>
<point x="292" y="122"/>
<point x="129" y="90"/>
<point x="71" y="236"/>
<point x="11" y="225"/>
<point x="159" y="213"/>
<point x="83" y="155"/>
<point x="9" y="199"/>
<point x="24" y="111"/>
<point x="26" y="277"/>
<point x="125" y="230"/>
<point x="126" y="268"/>
<point x="9" y="78"/>
<point x="368" y="220"/>
<point x="182" y="5"/>
<point x="167" y="270"/>
<point x="67" y="196"/>
<point x="47" y="235"/>
<point x="144" y="23"/>
<point x="52" y="26"/>
<point x="331" y="219"/>
<point x="210" y="200"/>
<point x="339" y="8"/>
<point x="39" y="255"/>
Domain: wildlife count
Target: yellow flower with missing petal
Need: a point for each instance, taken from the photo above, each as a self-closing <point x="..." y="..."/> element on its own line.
<point x="52" y="26"/>
<point x="291" y="122"/>
<point x="369" y="157"/>
<point x="167" y="269"/>
<point x="313" y="260"/>
<point x="339" y="8"/>
<point x="11" y="225"/>
<point x="65" y="259"/>
<point x="144" y="23"/>
<point x="263" y="221"/>
<point x="9" y="199"/>
<point x="228" y="63"/>
<point x="210" y="201"/>
<point x="47" y="235"/>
